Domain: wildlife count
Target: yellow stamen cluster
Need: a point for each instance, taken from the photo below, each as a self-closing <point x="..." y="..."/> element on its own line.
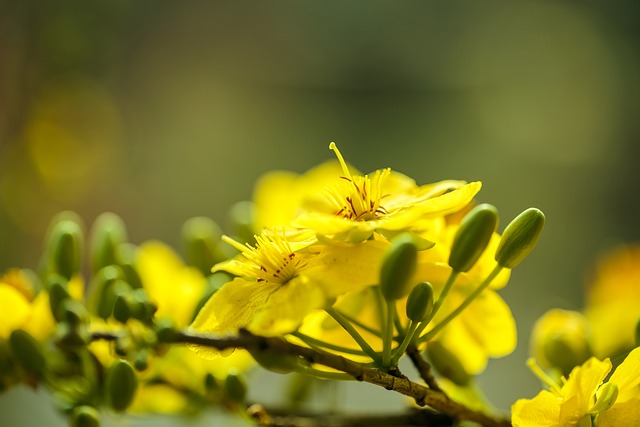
<point x="271" y="260"/>
<point x="360" y="198"/>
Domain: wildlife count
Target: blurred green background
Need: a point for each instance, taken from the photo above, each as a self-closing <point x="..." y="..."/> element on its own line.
<point x="160" y="111"/>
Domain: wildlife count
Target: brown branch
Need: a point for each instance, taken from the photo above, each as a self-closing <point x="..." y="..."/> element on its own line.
<point x="277" y="346"/>
<point x="424" y="369"/>
<point x="412" y="418"/>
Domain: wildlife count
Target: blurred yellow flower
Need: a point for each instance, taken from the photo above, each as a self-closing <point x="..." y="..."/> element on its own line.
<point x="614" y="403"/>
<point x="280" y="282"/>
<point x="561" y="340"/>
<point x="349" y="207"/>
<point x="22" y="308"/>
<point x="174" y="287"/>
<point x="613" y="301"/>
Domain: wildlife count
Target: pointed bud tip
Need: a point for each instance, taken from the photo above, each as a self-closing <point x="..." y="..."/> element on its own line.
<point x="420" y="302"/>
<point x="398" y="267"/>
<point x="472" y="237"/>
<point x="520" y="237"/>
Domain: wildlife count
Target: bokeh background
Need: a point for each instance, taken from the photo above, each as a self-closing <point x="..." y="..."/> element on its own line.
<point x="160" y="111"/>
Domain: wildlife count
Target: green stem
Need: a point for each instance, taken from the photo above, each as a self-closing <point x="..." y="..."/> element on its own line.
<point x="380" y="304"/>
<point x="411" y="330"/>
<point x="429" y="335"/>
<point x="313" y="342"/>
<point x="396" y="320"/>
<point x="436" y="307"/>
<point x="364" y="345"/>
<point x="317" y="373"/>
<point x="387" y="335"/>
<point x="361" y="325"/>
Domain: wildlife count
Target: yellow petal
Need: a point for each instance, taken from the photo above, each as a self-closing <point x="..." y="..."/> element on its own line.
<point x="287" y="306"/>
<point x="491" y="324"/>
<point x="14" y="310"/>
<point x="627" y="377"/>
<point x="580" y="388"/>
<point x="234" y="306"/>
<point x="621" y="414"/>
<point x="542" y="410"/>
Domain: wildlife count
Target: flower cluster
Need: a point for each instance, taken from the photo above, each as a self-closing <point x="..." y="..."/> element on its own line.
<point x="315" y="271"/>
<point x="332" y="274"/>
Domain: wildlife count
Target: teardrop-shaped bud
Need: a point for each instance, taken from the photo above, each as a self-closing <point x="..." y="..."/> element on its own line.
<point x="65" y="248"/>
<point x="607" y="396"/>
<point x="27" y="352"/>
<point x="447" y="363"/>
<point x="121" y="385"/>
<point x="107" y="233"/>
<point x="279" y="363"/>
<point x="84" y="416"/>
<point x="121" y="310"/>
<point x="200" y="236"/>
<point x="420" y="302"/>
<point x="398" y="267"/>
<point x="58" y="293"/>
<point x="520" y="237"/>
<point x="472" y="237"/>
<point x="235" y="387"/>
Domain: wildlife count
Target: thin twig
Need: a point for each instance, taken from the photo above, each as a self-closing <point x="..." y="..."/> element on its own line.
<point x="423" y="368"/>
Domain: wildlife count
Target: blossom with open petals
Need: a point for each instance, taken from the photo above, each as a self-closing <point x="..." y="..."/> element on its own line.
<point x="583" y="393"/>
<point x="350" y="207"/>
<point x="280" y="282"/>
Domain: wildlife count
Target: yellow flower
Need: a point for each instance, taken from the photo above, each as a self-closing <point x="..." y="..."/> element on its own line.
<point x="349" y="207"/>
<point x="613" y="301"/>
<point x="22" y="308"/>
<point x="584" y="394"/>
<point x="280" y="282"/>
<point x="174" y="287"/>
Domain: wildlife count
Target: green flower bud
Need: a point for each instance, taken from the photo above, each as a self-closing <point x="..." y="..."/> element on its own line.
<point x="638" y="334"/>
<point x="73" y="312"/>
<point x="278" y="363"/>
<point x="472" y="237"/>
<point x="127" y="255"/>
<point x="563" y="353"/>
<point x="210" y="382"/>
<point x="69" y="337"/>
<point x="141" y="361"/>
<point x="560" y="340"/>
<point x="121" y="311"/>
<point x="200" y="236"/>
<point x="608" y="394"/>
<point x="240" y="221"/>
<point x="398" y="267"/>
<point x="27" y="352"/>
<point x="520" y="237"/>
<point x="447" y="363"/>
<point x="84" y="416"/>
<point x="58" y="293"/>
<point x="165" y="330"/>
<point x="121" y="385"/>
<point x="138" y="301"/>
<point x="102" y="281"/>
<point x="420" y="302"/>
<point x="235" y="387"/>
<point x="65" y="248"/>
<point x="585" y="421"/>
<point x="107" y="233"/>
